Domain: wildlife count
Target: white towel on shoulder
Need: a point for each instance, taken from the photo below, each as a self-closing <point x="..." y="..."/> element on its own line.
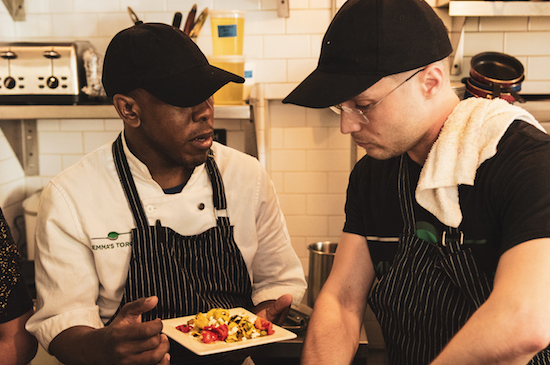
<point x="468" y="138"/>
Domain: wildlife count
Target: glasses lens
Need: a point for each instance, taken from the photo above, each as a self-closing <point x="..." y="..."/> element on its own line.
<point x="355" y="113"/>
<point x="336" y="109"/>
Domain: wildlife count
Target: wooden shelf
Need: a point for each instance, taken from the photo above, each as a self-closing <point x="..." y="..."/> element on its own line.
<point x="499" y="8"/>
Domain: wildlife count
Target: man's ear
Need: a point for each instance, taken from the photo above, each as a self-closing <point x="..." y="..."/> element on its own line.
<point x="433" y="79"/>
<point x="127" y="109"/>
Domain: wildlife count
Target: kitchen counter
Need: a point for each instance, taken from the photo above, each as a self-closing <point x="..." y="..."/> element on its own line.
<point x="104" y="111"/>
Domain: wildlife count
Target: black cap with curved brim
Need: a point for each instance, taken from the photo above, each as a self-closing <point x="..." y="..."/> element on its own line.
<point x="368" y="40"/>
<point x="165" y="62"/>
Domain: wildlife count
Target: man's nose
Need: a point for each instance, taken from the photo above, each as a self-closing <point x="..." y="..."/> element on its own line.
<point x="348" y="123"/>
<point x="203" y="111"/>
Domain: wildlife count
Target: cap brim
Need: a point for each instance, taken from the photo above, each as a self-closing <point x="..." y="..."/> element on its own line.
<point x="192" y="87"/>
<point x="322" y="89"/>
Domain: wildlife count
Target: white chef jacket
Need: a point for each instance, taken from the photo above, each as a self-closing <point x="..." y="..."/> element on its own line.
<point x="83" y="234"/>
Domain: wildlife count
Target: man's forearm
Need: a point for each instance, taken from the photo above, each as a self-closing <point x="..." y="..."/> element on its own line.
<point x="486" y="341"/>
<point x="513" y="325"/>
<point x="332" y="336"/>
<point x="79" y="346"/>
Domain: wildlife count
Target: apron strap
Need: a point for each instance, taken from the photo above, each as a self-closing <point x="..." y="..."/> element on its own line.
<point x="129" y="186"/>
<point x="406" y="196"/>
<point x="220" y="202"/>
<point x="127" y="181"/>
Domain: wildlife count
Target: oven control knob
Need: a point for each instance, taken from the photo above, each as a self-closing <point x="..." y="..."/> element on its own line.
<point x="9" y="82"/>
<point x="52" y="82"/>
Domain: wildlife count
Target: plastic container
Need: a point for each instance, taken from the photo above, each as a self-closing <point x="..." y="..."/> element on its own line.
<point x="249" y="78"/>
<point x="231" y="93"/>
<point x="321" y="257"/>
<point x="227" y="31"/>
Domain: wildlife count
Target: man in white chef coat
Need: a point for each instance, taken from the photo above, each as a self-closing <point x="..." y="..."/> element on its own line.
<point x="449" y="209"/>
<point x="161" y="224"/>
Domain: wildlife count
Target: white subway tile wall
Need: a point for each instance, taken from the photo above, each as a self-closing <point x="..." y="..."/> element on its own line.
<point x="308" y="158"/>
<point x="309" y="164"/>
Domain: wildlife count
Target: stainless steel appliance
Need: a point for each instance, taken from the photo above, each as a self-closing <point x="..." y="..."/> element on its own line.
<point x="43" y="73"/>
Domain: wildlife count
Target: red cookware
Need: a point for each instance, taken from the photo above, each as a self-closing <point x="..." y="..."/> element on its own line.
<point x="489" y="94"/>
<point x="497" y="72"/>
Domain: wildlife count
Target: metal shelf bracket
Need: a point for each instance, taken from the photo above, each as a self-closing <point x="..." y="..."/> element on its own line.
<point x="16" y="9"/>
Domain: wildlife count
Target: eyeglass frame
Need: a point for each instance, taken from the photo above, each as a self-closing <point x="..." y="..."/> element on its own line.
<point x="338" y="108"/>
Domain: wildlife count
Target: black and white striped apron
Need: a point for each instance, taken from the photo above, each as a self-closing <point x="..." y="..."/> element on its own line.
<point x="189" y="274"/>
<point x="429" y="292"/>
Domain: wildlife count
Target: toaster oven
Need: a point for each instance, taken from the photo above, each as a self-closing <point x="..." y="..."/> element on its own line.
<point x="43" y="73"/>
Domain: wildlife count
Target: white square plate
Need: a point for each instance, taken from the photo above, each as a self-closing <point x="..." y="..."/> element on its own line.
<point x="198" y="347"/>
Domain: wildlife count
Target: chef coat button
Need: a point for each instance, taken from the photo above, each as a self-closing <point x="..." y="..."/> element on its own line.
<point x="150" y="208"/>
<point x="201" y="206"/>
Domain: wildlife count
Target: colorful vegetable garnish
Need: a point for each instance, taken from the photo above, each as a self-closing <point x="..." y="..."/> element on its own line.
<point x="218" y="325"/>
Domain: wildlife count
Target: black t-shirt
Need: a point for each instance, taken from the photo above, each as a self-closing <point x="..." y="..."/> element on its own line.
<point x="508" y="204"/>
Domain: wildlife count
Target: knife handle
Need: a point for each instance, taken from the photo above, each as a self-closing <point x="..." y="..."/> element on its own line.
<point x="190" y="20"/>
<point x="177" y="20"/>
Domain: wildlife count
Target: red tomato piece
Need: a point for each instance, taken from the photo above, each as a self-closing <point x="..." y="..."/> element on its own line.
<point x="220" y="331"/>
<point x="208" y="336"/>
<point x="264" y="324"/>
<point x="184" y="328"/>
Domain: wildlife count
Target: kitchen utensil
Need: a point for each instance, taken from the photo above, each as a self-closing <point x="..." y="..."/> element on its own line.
<point x="495" y="67"/>
<point x="479" y="92"/>
<point x="497" y="88"/>
<point x="199" y="23"/>
<point x="190" y="21"/>
<point x="177" y="20"/>
<point x="133" y="16"/>
<point x="321" y="257"/>
<point x="515" y="87"/>
<point x="296" y="321"/>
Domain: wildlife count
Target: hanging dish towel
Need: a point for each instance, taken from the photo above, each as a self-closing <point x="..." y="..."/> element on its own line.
<point x="468" y="138"/>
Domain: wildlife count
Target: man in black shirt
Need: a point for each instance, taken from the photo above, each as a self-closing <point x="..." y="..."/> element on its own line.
<point x="449" y="209"/>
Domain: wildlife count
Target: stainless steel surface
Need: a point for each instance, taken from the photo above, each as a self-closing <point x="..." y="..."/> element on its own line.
<point x="105" y="111"/>
<point x="16" y="8"/>
<point x="23" y="139"/>
<point x="321" y="257"/>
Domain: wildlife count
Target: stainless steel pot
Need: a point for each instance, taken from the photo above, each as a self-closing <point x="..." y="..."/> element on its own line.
<point x="321" y="257"/>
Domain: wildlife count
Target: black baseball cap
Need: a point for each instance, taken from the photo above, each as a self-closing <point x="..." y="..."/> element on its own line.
<point x="165" y="62"/>
<point x="368" y="40"/>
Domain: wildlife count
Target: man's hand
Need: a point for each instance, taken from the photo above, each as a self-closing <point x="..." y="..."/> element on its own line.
<point x="132" y="341"/>
<point x="274" y="310"/>
<point x="127" y="340"/>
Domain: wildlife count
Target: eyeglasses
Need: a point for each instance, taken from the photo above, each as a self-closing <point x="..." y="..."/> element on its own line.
<point x="361" y="112"/>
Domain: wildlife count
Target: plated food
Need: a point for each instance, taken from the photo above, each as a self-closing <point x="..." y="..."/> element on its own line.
<point x="219" y="325"/>
<point x="221" y="330"/>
